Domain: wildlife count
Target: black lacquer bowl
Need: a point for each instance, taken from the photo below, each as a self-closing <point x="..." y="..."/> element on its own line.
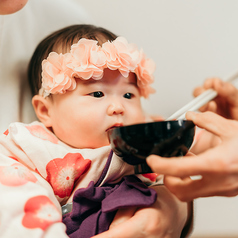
<point x="165" y="138"/>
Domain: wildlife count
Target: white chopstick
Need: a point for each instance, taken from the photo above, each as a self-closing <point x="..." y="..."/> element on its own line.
<point x="199" y="101"/>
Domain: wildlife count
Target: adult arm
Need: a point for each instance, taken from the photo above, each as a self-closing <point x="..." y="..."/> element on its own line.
<point x="168" y="217"/>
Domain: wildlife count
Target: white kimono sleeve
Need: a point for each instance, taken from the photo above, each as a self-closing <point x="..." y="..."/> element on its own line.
<point x="28" y="207"/>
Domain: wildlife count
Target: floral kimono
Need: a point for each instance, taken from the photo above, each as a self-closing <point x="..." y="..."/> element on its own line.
<point x="38" y="174"/>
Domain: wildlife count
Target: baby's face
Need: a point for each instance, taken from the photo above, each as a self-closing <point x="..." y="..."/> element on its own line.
<point x="82" y="117"/>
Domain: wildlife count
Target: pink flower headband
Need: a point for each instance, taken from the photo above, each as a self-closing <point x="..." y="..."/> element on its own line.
<point x="88" y="60"/>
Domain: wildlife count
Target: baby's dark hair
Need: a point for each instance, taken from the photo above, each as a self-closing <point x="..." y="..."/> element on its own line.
<point x="60" y="42"/>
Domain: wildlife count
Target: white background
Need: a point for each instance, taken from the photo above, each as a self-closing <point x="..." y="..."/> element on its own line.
<point x="189" y="41"/>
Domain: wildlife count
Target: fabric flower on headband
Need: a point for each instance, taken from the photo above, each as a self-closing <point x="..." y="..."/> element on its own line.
<point x="88" y="60"/>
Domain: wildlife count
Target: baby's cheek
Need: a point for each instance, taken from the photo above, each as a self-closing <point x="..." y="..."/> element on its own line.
<point x="139" y="119"/>
<point x="142" y="118"/>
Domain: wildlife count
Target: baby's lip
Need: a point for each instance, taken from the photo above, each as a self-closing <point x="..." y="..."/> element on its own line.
<point x="115" y="125"/>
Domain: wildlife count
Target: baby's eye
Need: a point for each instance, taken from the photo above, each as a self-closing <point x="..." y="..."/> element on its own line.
<point x="97" y="94"/>
<point x="128" y="95"/>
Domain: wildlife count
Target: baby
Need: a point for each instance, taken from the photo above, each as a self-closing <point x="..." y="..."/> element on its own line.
<point x="89" y="81"/>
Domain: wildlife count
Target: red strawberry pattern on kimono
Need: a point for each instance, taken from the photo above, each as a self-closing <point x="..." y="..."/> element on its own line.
<point x="39" y="173"/>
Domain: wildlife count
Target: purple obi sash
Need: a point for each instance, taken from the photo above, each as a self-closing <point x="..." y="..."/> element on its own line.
<point x="95" y="207"/>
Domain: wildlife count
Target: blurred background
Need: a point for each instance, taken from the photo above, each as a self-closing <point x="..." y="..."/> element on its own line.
<point x="189" y="41"/>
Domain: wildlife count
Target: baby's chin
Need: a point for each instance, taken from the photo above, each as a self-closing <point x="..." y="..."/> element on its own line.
<point x="102" y="145"/>
<point x="84" y="144"/>
<point x="91" y="145"/>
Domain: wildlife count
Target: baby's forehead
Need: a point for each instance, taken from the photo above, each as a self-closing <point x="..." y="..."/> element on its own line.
<point x="91" y="82"/>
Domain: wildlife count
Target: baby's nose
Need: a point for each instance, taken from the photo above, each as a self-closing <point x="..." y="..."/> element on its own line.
<point x="115" y="108"/>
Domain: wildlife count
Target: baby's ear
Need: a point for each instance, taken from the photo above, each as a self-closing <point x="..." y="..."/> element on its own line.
<point x="42" y="106"/>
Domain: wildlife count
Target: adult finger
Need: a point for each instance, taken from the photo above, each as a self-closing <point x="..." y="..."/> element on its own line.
<point x="210" y="185"/>
<point x="130" y="228"/>
<point x="210" y="106"/>
<point x="227" y="90"/>
<point x="123" y="215"/>
<point x="176" y="166"/>
<point x="188" y="189"/>
<point x="212" y="122"/>
<point x="124" y="230"/>
<point x="197" y="91"/>
<point x="184" y="189"/>
<point x="188" y="165"/>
